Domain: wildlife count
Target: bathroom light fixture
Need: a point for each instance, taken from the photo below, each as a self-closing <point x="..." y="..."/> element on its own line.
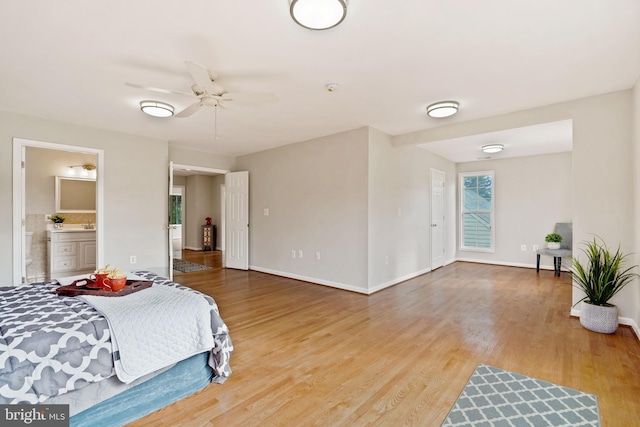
<point x="443" y="109"/>
<point x="318" y="14"/>
<point x="84" y="169"/>
<point x="156" y="108"/>
<point x="492" y="148"/>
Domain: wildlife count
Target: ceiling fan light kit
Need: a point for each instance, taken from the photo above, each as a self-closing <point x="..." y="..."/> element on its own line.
<point x="492" y="148"/>
<point x="208" y="93"/>
<point x="156" y="108"/>
<point x="442" y="109"/>
<point x="318" y="14"/>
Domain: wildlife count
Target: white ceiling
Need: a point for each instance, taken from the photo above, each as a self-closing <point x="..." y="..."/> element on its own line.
<point x="68" y="60"/>
<point x="555" y="137"/>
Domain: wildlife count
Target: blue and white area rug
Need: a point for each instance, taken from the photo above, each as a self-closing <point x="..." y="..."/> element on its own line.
<point x="495" y="397"/>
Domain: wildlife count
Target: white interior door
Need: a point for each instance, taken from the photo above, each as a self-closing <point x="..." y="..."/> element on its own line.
<point x="237" y="220"/>
<point x="437" y="219"/>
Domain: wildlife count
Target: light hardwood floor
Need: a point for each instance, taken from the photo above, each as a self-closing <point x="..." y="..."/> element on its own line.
<point x="308" y="355"/>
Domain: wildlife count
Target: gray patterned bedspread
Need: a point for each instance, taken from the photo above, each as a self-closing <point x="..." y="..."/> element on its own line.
<point x="51" y="345"/>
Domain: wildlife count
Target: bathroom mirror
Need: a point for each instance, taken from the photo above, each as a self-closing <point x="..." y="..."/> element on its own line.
<point x="75" y="194"/>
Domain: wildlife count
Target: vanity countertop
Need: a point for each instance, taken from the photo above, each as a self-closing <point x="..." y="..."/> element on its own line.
<point x="71" y="228"/>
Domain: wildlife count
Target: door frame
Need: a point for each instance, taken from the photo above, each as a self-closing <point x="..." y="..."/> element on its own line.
<point x="19" y="198"/>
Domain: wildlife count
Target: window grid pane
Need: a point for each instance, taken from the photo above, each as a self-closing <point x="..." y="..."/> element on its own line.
<point x="477" y="211"/>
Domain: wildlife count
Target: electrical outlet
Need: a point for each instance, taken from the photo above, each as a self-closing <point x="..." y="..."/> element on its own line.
<point x="300" y="253"/>
<point x="293" y="253"/>
<point x="535" y="248"/>
<point x="318" y="255"/>
<point x="523" y="247"/>
<point x="133" y="259"/>
<point x="265" y="211"/>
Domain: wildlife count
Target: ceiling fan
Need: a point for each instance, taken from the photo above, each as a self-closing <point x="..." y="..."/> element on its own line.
<point x="210" y="93"/>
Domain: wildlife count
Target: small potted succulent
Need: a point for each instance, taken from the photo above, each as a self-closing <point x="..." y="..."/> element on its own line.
<point x="553" y="240"/>
<point x="57" y="220"/>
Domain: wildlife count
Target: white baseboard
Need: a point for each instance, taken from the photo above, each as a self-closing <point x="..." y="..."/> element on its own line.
<point x="309" y="279"/>
<point x="507" y="264"/>
<point x="621" y="320"/>
<point x="337" y="284"/>
<point x="192" y="248"/>
<point x="398" y="280"/>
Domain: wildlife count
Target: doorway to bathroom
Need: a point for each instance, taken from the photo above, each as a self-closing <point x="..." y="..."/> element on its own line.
<point x="36" y="164"/>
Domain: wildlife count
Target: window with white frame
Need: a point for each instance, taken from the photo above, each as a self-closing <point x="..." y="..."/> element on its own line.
<point x="477" y="213"/>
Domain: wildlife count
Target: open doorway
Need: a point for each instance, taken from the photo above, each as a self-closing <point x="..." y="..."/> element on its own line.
<point x="37" y="167"/>
<point x="200" y="199"/>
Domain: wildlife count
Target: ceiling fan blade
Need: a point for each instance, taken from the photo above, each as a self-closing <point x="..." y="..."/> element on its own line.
<point x="189" y="110"/>
<point x="250" y="98"/>
<point x="156" y="89"/>
<point x="202" y="78"/>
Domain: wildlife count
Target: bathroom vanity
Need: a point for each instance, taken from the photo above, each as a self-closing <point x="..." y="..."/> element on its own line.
<point x="71" y="251"/>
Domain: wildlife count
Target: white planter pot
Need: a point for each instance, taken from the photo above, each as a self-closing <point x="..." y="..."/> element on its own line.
<point x="553" y="245"/>
<point x="599" y="318"/>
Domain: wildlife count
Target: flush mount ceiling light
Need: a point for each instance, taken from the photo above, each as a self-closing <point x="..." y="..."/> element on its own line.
<point x="492" y="148"/>
<point x="443" y="109"/>
<point x="318" y="14"/>
<point x="156" y="108"/>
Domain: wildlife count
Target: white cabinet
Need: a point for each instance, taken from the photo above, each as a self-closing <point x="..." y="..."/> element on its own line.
<point x="71" y="252"/>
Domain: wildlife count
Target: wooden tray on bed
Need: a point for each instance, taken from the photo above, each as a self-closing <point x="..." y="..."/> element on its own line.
<point x="76" y="288"/>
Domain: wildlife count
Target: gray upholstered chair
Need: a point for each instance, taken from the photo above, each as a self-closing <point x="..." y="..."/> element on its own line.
<point x="565" y="229"/>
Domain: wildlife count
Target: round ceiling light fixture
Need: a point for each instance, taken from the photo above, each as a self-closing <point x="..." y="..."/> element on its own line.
<point x="492" y="148"/>
<point x="318" y="14"/>
<point x="156" y="108"/>
<point x="443" y="109"/>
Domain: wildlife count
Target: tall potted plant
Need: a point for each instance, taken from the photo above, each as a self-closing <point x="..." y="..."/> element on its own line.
<point x="600" y="279"/>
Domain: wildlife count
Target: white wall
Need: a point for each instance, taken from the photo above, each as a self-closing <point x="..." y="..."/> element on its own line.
<point x="316" y="193"/>
<point x="339" y="195"/>
<point x="531" y="195"/>
<point x="202" y="201"/>
<point x="603" y="164"/>
<point x="185" y="156"/>
<point x="216" y="209"/>
<point x="42" y="167"/>
<point x="400" y="178"/>
<point x="135" y="187"/>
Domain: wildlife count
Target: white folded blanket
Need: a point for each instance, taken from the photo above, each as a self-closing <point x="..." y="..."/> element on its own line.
<point x="154" y="327"/>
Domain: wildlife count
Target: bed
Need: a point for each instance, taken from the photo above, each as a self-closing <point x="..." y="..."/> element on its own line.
<point x="78" y="351"/>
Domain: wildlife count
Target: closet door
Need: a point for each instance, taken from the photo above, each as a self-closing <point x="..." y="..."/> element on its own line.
<point x="237" y="220"/>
